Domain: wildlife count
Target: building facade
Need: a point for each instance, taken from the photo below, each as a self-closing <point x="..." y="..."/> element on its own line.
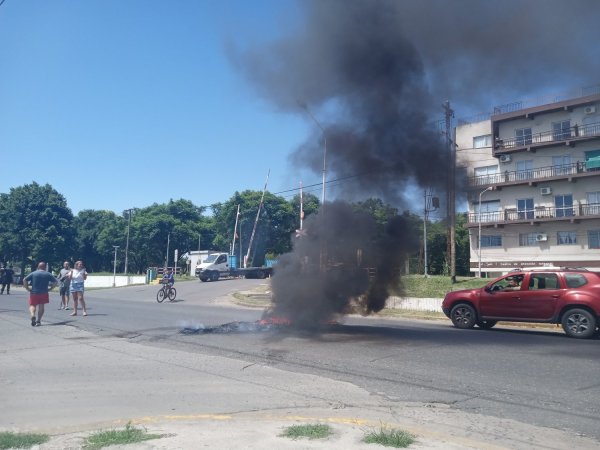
<point x="533" y="185"/>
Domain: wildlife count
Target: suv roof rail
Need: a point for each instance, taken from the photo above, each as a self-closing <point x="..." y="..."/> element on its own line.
<point x="575" y="268"/>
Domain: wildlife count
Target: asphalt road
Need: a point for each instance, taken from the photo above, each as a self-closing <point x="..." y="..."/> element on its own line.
<point x="537" y="377"/>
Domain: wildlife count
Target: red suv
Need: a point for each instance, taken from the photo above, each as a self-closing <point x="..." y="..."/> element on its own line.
<point x="570" y="297"/>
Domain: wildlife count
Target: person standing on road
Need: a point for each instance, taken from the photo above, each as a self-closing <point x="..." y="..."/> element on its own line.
<point x="7" y="279"/>
<point x="65" y="284"/>
<point x="77" y="277"/>
<point x="39" y="283"/>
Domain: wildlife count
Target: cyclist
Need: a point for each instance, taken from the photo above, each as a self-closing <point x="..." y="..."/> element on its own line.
<point x="168" y="278"/>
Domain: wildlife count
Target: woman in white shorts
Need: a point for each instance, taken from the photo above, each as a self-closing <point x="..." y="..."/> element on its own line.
<point x="78" y="275"/>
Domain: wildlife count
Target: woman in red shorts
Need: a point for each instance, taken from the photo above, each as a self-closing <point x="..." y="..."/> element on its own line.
<point x="38" y="284"/>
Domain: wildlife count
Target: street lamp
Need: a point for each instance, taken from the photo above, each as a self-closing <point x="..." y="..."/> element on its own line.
<point x="479" y="220"/>
<point x="115" y="266"/>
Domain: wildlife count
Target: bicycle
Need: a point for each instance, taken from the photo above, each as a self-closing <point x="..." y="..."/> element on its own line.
<point x="166" y="291"/>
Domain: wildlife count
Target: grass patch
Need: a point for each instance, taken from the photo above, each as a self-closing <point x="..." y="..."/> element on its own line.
<point x="128" y="435"/>
<point x="314" y="431"/>
<point x="411" y="314"/>
<point x="437" y="286"/>
<point x="389" y="438"/>
<point x="21" y="440"/>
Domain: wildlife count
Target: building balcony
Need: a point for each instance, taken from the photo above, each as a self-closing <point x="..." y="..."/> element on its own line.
<point x="534" y="216"/>
<point x="532" y="177"/>
<point x="531" y="142"/>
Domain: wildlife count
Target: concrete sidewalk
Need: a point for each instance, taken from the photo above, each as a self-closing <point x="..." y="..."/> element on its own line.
<point x="69" y="383"/>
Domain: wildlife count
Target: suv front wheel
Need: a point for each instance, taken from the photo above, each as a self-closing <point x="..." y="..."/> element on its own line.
<point x="579" y="323"/>
<point x="463" y="316"/>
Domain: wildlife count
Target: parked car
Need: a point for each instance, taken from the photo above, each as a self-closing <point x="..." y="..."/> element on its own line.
<point x="570" y="297"/>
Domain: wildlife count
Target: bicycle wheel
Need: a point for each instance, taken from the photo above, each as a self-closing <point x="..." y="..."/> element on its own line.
<point x="160" y="296"/>
<point x="172" y="294"/>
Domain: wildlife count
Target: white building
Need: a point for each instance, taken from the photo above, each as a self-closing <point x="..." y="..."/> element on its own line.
<point x="533" y="186"/>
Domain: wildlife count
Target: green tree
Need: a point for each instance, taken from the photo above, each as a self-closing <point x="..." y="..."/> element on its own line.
<point x="178" y="223"/>
<point x="310" y="205"/>
<point x="97" y="233"/>
<point x="35" y="225"/>
<point x="463" y="251"/>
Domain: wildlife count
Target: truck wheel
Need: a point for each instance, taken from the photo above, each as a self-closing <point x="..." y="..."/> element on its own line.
<point x="579" y="323"/>
<point x="463" y="316"/>
<point x="215" y="276"/>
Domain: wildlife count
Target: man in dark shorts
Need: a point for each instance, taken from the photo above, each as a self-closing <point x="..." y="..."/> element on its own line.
<point x="65" y="285"/>
<point x="38" y="284"/>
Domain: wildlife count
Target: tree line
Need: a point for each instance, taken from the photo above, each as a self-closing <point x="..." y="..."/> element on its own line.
<point x="37" y="225"/>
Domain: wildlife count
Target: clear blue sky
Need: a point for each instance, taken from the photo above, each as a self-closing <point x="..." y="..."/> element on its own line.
<point x="123" y="103"/>
<point x="120" y="104"/>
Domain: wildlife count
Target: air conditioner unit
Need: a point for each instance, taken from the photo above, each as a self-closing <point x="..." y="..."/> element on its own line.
<point x="589" y="109"/>
<point x="546" y="191"/>
<point x="504" y="158"/>
<point x="541" y="237"/>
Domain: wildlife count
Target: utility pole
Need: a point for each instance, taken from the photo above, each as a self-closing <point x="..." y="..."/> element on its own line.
<point x="127" y="243"/>
<point x="451" y="190"/>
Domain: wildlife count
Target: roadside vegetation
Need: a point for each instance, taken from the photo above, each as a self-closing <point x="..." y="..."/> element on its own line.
<point x="389" y="438"/>
<point x="129" y="435"/>
<point x="436" y="286"/>
<point x="21" y="440"/>
<point x="309" y="431"/>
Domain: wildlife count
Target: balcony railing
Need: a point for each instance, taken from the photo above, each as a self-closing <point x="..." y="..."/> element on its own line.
<point x="539" y="173"/>
<point x="565" y="134"/>
<point x="536" y="214"/>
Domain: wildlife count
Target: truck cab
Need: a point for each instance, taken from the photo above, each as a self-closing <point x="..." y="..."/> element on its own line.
<point x="213" y="267"/>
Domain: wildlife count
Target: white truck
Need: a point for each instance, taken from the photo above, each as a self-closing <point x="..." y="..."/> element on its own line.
<point x="222" y="265"/>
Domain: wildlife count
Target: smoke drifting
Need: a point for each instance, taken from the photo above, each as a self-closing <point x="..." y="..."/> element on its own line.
<point x="368" y="69"/>
<point x="343" y="261"/>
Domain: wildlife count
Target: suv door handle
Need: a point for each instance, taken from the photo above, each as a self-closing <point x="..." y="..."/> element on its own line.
<point x="555" y="296"/>
<point x="517" y="298"/>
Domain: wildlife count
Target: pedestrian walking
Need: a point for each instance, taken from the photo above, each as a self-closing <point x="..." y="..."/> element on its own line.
<point x="65" y="285"/>
<point x="7" y="279"/>
<point x="77" y="277"/>
<point x="39" y="283"/>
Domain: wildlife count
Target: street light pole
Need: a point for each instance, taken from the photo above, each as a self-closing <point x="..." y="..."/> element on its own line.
<point x="127" y="242"/>
<point x="115" y="266"/>
<point x="479" y="220"/>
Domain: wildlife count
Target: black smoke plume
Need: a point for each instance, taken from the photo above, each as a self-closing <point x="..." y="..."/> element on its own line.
<point x="367" y="69"/>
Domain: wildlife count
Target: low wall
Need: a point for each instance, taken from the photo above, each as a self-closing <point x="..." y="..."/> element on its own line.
<point x="418" y="304"/>
<point x="100" y="281"/>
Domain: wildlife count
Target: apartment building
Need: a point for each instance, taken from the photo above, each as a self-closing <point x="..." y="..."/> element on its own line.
<point x="533" y="184"/>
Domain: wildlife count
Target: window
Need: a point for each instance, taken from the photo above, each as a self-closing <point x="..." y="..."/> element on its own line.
<point x="575" y="280"/>
<point x="523" y="136"/>
<point x="594" y="239"/>
<point x="482" y="141"/>
<point x="593" y="203"/>
<point x="525" y="169"/>
<point x="490" y="211"/>
<point x="561" y="130"/>
<point x="525" y="208"/>
<point x="566" y="237"/>
<point x="543" y="281"/>
<point x="528" y="239"/>
<point x="564" y="205"/>
<point x="486" y="175"/>
<point x="491" y="241"/>
<point x="561" y="164"/>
